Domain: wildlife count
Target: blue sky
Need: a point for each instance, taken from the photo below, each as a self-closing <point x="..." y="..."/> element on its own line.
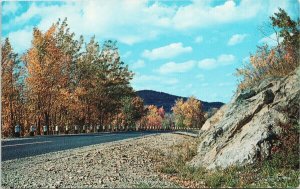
<point x="179" y="47"/>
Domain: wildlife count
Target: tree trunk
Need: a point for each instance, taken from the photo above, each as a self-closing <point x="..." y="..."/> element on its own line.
<point x="11" y="117"/>
<point x="39" y="126"/>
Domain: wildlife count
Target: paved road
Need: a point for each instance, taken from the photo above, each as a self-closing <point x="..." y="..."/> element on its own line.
<point x="24" y="147"/>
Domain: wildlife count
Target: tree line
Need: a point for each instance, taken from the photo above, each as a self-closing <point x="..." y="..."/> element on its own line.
<point x="61" y="81"/>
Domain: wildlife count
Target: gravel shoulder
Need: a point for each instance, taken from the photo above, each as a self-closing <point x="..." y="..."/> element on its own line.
<point x="121" y="164"/>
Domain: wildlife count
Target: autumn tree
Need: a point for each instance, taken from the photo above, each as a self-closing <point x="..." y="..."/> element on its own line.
<point x="194" y="114"/>
<point x="11" y="88"/>
<point x="277" y="61"/>
<point x="46" y="75"/>
<point x="161" y="112"/>
<point x="154" y="117"/>
<point x="132" y="111"/>
<point x="188" y="114"/>
<point x="65" y="83"/>
<point x="88" y="89"/>
<point x="113" y="82"/>
<point x="290" y="33"/>
<point x="68" y="107"/>
<point x="167" y="121"/>
<point x="178" y="113"/>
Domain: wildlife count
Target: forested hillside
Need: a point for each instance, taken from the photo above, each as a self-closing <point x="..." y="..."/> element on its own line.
<point x="161" y="99"/>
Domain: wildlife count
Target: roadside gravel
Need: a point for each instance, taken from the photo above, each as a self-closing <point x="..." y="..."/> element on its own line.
<point x="121" y="164"/>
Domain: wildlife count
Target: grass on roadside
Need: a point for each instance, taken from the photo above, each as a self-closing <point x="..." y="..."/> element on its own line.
<point x="282" y="171"/>
<point x="142" y="185"/>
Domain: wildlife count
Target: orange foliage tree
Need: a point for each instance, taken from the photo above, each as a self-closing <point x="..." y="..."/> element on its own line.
<point x="188" y="114"/>
<point x="46" y="76"/>
<point x="63" y="84"/>
<point x="277" y="61"/>
<point x="12" y="108"/>
<point x="154" y="117"/>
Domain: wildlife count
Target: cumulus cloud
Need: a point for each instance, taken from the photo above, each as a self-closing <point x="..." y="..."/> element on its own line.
<point x="208" y="15"/>
<point x="21" y="39"/>
<point x="226" y="59"/>
<point x="228" y="12"/>
<point x="172" y="67"/>
<point x="121" y="20"/>
<point x="211" y="63"/>
<point x="112" y="19"/>
<point x="165" y="52"/>
<point x="236" y="39"/>
<point x="143" y="79"/>
<point x="126" y="54"/>
<point x="208" y="63"/>
<point x="138" y="64"/>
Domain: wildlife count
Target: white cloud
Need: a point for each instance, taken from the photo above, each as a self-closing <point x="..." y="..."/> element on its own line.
<point x="165" y="52"/>
<point x="21" y="39"/>
<point x="172" y="67"/>
<point x="112" y="19"/>
<point x="236" y="39"/>
<point x="138" y="64"/>
<point x="10" y="7"/>
<point x="226" y="59"/>
<point x="126" y="54"/>
<point x="208" y="63"/>
<point x="211" y="63"/>
<point x="201" y="13"/>
<point x="206" y="15"/>
<point x="143" y="80"/>
<point x="138" y="78"/>
<point x="198" y="39"/>
<point x="271" y="40"/>
<point x="121" y="20"/>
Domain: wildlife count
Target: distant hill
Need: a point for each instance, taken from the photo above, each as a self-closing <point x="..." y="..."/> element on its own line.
<point x="167" y="100"/>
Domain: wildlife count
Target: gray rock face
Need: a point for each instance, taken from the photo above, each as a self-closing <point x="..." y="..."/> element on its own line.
<point x="239" y="131"/>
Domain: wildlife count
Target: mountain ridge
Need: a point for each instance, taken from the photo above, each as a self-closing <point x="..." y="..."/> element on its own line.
<point x="167" y="100"/>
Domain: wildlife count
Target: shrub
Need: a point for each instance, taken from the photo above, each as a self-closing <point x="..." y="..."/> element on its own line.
<point x="275" y="61"/>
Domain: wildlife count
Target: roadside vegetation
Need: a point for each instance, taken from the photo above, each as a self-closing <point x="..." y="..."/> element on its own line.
<point x="281" y="171"/>
<point x="274" y="61"/>
<point x="64" y="83"/>
<point x="188" y="114"/>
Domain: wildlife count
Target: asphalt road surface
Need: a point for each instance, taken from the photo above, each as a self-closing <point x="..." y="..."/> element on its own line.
<point x="30" y="146"/>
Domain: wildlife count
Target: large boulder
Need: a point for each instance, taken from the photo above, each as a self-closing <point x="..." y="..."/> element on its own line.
<point x="240" y="131"/>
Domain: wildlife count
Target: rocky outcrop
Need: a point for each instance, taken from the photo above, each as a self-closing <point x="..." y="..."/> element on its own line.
<point x="244" y="130"/>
